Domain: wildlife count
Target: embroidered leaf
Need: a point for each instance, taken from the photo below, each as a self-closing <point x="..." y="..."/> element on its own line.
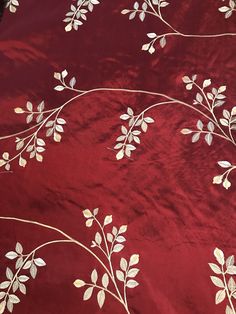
<point x="133" y="272"/>
<point x="231" y="270"/>
<point x="98" y="238"/>
<point x="118" y="247"/>
<point x="215" y="268"/>
<point x="224" y="164"/>
<point x="11" y="255"/>
<point x="39" y="262"/>
<point x="87" y="213"/>
<point x="120" y="275"/>
<point x="217" y="282"/>
<point x="88" y="293"/>
<point x="219" y="255"/>
<point x="107" y="220"/>
<point x="208" y="138"/>
<point x="101" y="298"/>
<point x="206" y="83"/>
<point x="78" y="283"/>
<point x="123" y="264"/>
<point x="228" y="310"/>
<point x="134" y="259"/>
<point x="94" y="276"/>
<point x="220" y="296"/>
<point x="105" y="280"/>
<point x="132" y="283"/>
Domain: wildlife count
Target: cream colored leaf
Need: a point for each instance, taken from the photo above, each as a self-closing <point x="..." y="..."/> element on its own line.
<point x="134" y="259"/>
<point x="78" y="283"/>
<point x="89" y="223"/>
<point x="5" y="155"/>
<point x="107" y="220"/>
<point x="120" y="154"/>
<point x="87" y="213"/>
<point x="105" y="280"/>
<point x="39" y="157"/>
<point x="133" y="272"/>
<point x="217" y="282"/>
<point x="88" y="293"/>
<point x="68" y="28"/>
<point x="98" y="238"/>
<point x="2" y="162"/>
<point x="226" y="184"/>
<point x="22" y="162"/>
<point x="217" y="179"/>
<point x="101" y="298"/>
<point x="18" y="110"/>
<point x="57" y="137"/>
<point x="132" y="283"/>
<point x="123" y="229"/>
<point x="219" y="255"/>
<point x="94" y="276"/>
<point x="57" y="75"/>
<point x="2" y="307"/>
<point x="120" y="275"/>
<point x="206" y="83"/>
<point x="215" y="268"/>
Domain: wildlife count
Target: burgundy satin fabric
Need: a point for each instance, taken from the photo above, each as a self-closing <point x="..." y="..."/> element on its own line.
<point x="175" y="216"/>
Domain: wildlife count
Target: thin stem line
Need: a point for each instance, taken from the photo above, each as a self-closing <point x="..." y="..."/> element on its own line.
<point x="103" y="89"/>
<point x="105" y="289"/>
<point x="214" y="133"/>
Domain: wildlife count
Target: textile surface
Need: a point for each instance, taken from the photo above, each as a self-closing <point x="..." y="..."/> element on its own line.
<point x="163" y="191"/>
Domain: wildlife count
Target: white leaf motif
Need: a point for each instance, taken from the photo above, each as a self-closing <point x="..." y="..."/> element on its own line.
<point x="219" y="255"/>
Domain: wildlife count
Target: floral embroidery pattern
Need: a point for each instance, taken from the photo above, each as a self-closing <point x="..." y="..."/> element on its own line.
<point x="154" y="8"/>
<point x="225" y="282"/>
<point x="77" y="15"/>
<point x="17" y="281"/>
<point x="109" y="240"/>
<point x="207" y="99"/>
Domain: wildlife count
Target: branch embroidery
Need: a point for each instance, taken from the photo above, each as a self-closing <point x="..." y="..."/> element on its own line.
<point x="224" y="280"/>
<point x="115" y="280"/>
<point x="205" y="103"/>
<point x="76" y="16"/>
<point x="154" y="8"/>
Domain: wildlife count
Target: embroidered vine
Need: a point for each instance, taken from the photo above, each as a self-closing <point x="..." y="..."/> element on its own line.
<point x="30" y="142"/>
<point x="109" y="240"/>
<point x="78" y="15"/>
<point x="224" y="280"/>
<point x="154" y="8"/>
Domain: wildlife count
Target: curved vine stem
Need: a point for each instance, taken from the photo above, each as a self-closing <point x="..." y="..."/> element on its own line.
<point x="69" y="239"/>
<point x="82" y="93"/>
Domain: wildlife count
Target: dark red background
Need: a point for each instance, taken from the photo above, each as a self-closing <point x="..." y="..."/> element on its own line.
<point x="176" y="216"/>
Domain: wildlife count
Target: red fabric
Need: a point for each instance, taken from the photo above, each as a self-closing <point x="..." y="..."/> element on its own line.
<point x="175" y="216"/>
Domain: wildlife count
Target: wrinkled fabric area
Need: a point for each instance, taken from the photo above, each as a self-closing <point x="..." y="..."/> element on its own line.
<point x="164" y="193"/>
